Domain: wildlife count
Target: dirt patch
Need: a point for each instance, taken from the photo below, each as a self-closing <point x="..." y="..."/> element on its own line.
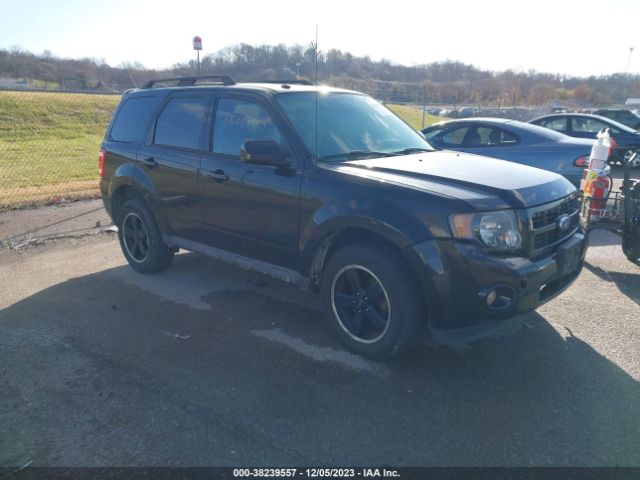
<point x="14" y="198"/>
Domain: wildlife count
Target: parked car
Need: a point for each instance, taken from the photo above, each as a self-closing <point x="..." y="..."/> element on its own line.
<point x="620" y="115"/>
<point x="516" y="142"/>
<point x="329" y="190"/>
<point x="581" y="125"/>
<point x="466" y="112"/>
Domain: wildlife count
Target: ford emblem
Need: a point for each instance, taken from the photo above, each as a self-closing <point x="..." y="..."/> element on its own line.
<point x="563" y="222"/>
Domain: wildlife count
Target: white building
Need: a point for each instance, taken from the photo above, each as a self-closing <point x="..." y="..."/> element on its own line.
<point x="632" y="103"/>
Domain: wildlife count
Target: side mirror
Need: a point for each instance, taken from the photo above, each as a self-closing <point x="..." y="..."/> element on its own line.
<point x="263" y="152"/>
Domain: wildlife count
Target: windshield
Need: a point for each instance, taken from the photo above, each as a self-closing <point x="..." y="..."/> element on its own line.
<point x="618" y="125"/>
<point x="349" y="126"/>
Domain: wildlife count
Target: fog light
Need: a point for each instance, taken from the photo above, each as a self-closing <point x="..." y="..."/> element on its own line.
<point x="499" y="297"/>
<point x="491" y="298"/>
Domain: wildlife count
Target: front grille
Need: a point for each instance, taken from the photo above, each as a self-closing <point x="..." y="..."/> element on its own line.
<point x="546" y="217"/>
<point x="544" y="223"/>
<point x="545" y="239"/>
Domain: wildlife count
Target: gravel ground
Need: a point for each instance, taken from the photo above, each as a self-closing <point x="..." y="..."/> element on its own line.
<point x="205" y="364"/>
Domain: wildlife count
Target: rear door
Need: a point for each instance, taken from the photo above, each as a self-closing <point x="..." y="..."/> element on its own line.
<point x="250" y="209"/>
<point x="171" y="157"/>
<point x="126" y="133"/>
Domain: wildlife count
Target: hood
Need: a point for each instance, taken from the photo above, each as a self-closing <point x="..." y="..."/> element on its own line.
<point x="485" y="183"/>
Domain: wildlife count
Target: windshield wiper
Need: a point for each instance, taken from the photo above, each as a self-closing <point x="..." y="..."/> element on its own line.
<point x="412" y="150"/>
<point x="356" y="154"/>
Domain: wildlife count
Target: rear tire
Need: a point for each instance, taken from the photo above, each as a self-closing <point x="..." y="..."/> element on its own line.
<point x="372" y="301"/>
<point x="141" y="239"/>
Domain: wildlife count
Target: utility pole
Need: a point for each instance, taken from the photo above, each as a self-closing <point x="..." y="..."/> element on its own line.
<point x="631" y="49"/>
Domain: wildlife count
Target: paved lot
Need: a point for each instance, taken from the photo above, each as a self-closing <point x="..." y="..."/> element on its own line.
<point x="208" y="365"/>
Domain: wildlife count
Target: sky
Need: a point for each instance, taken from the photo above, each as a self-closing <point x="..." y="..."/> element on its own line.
<point x="570" y="37"/>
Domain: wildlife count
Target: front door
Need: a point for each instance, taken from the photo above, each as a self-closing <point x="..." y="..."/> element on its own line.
<point x="252" y="210"/>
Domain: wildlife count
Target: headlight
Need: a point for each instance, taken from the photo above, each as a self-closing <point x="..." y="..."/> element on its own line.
<point x="495" y="230"/>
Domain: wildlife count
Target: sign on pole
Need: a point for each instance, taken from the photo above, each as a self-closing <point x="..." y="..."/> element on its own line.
<point x="197" y="43"/>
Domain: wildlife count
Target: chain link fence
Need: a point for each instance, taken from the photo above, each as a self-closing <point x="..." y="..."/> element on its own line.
<point x="49" y="141"/>
<point x="49" y="144"/>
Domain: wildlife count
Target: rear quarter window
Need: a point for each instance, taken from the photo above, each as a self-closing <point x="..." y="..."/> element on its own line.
<point x="132" y="119"/>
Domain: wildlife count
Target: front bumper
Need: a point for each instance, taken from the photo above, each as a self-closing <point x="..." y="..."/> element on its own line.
<point x="458" y="277"/>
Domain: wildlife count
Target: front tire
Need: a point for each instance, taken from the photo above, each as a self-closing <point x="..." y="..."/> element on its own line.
<point x="631" y="245"/>
<point x="141" y="239"/>
<point x="627" y="154"/>
<point x="372" y="301"/>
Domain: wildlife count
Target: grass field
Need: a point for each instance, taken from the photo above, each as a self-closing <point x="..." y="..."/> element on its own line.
<point x="49" y="144"/>
<point x="413" y="115"/>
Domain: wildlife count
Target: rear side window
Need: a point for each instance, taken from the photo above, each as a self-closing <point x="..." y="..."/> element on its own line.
<point x="181" y="123"/>
<point x="132" y="119"/>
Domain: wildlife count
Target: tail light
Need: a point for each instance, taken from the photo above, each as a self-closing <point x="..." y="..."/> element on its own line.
<point x="101" y="158"/>
<point x="581" y="161"/>
<point x="613" y="145"/>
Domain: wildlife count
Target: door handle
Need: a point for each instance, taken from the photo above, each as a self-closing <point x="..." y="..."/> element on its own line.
<point x="149" y="162"/>
<point x="218" y="175"/>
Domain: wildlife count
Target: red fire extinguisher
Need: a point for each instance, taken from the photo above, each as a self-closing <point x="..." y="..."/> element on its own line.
<point x="597" y="190"/>
<point x="597" y="183"/>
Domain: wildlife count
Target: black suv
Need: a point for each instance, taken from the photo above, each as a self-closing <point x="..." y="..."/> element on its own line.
<point x="328" y="189"/>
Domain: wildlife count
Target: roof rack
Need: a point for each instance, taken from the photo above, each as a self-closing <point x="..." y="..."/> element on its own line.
<point x="190" y="81"/>
<point x="285" y="82"/>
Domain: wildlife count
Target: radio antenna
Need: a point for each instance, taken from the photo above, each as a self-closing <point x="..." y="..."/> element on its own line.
<point x="315" y="52"/>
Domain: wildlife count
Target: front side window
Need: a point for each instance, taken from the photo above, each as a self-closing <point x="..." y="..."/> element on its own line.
<point x="181" y="123"/>
<point x="557" y="124"/>
<point x="432" y="135"/>
<point x="237" y="121"/>
<point x="455" y="138"/>
<point x="349" y="126"/>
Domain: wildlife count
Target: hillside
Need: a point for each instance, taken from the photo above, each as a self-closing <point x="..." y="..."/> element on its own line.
<point x="445" y="82"/>
<point x="50" y="139"/>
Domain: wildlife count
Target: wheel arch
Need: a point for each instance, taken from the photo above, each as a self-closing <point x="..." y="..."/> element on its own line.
<point x="322" y="249"/>
<point x="130" y="181"/>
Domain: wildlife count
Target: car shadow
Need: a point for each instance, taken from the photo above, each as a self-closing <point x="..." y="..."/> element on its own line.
<point x="112" y="369"/>
<point x="627" y="283"/>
